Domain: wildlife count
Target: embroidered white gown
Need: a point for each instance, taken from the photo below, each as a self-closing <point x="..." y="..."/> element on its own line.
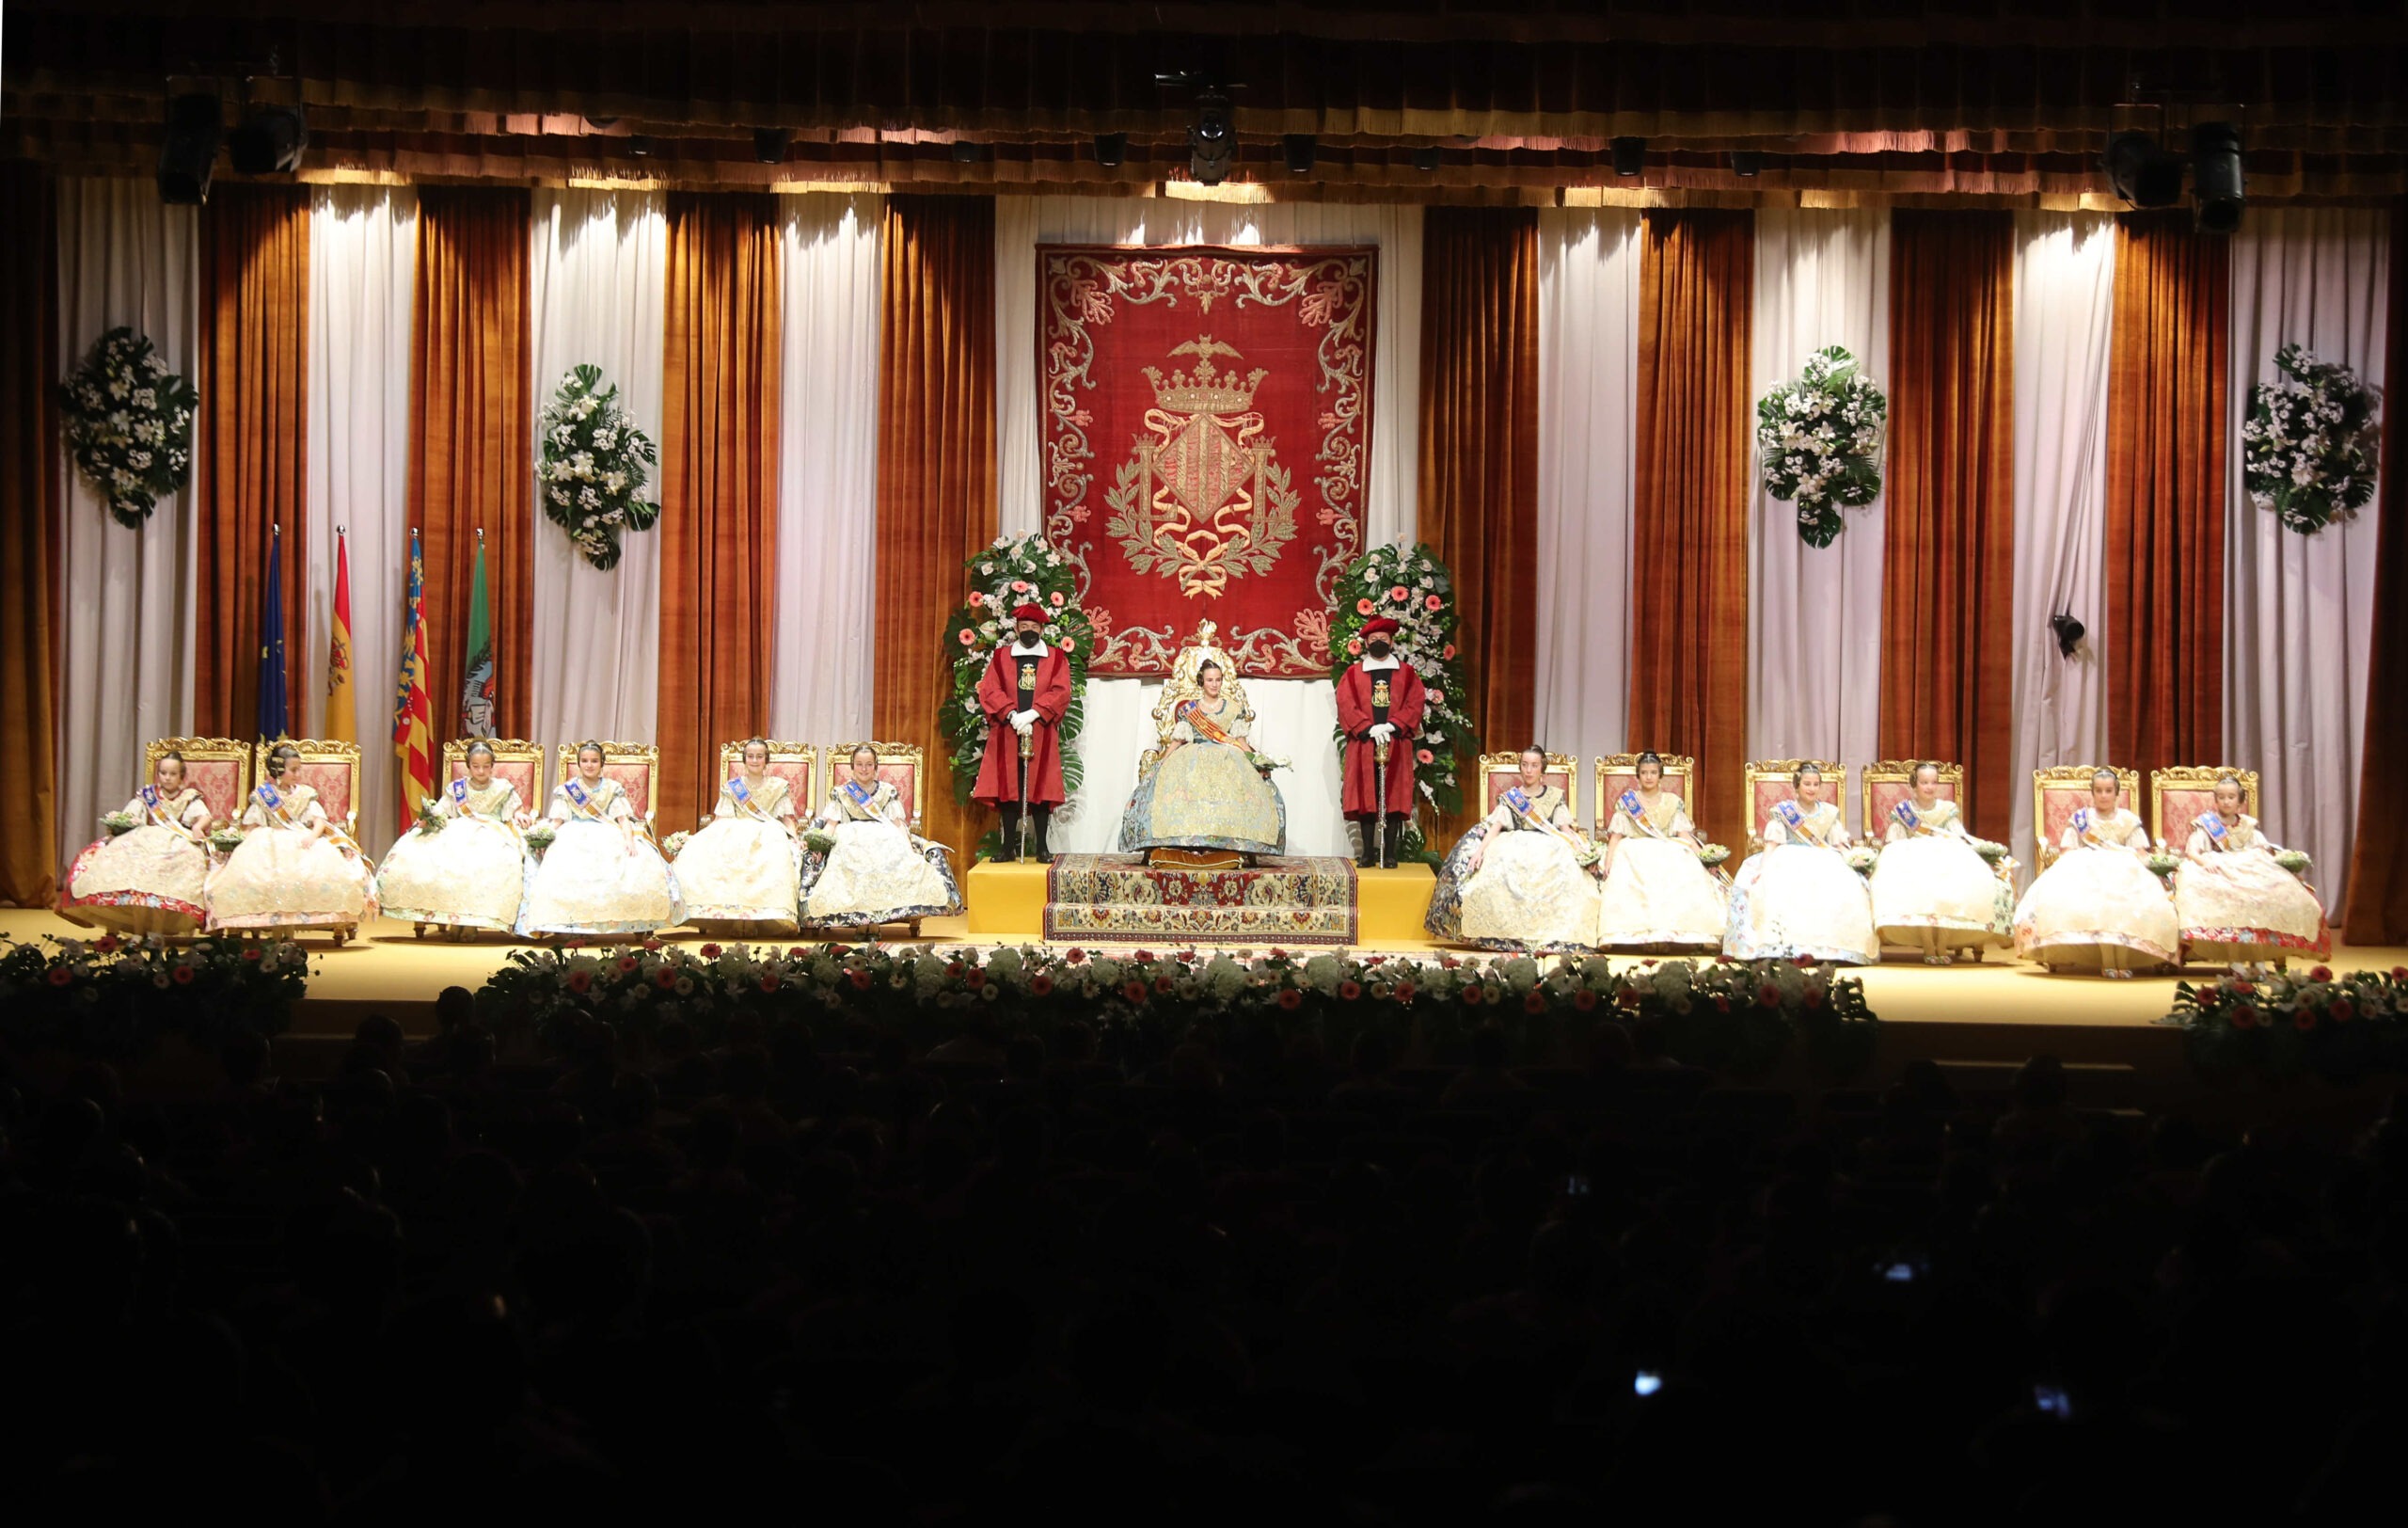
<point x="602" y="874"/>
<point x="1930" y="881"/>
<point x="1799" y="897"/>
<point x="471" y="872"/>
<point x="1655" y="893"/>
<point x="152" y="879"/>
<point x="2235" y="903"/>
<point x="741" y="873"/>
<point x="1206" y="793"/>
<point x="1532" y="890"/>
<point x="286" y="877"/>
<point x="876" y="871"/>
<point x="2098" y="906"/>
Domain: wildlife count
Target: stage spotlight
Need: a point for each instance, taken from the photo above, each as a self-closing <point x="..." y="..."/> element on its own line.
<point x="769" y="144"/>
<point x="2068" y="630"/>
<point x="1630" y="156"/>
<point x="2216" y="192"/>
<point x="1211" y="145"/>
<point x="640" y="144"/>
<point x="1111" y="149"/>
<point x="188" y="152"/>
<point x="1425" y="159"/>
<point x="269" y="142"/>
<point x="1746" y="163"/>
<point x="1301" y="147"/>
<point x="2142" y="173"/>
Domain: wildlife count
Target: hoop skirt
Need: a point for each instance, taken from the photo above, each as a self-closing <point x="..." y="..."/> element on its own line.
<point x="287" y="878"/>
<point x="1796" y="900"/>
<point x="470" y="874"/>
<point x="877" y="873"/>
<point x="1935" y="881"/>
<point x="2243" y="906"/>
<point x="153" y="880"/>
<point x="592" y="880"/>
<point x="1530" y="892"/>
<point x="1206" y="795"/>
<point x="1656" y="893"/>
<point x="739" y="869"/>
<point x="2092" y="899"/>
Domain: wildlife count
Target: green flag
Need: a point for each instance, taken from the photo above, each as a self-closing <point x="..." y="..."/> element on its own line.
<point x="476" y="675"/>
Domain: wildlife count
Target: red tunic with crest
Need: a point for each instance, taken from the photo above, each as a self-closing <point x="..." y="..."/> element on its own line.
<point x="999" y="696"/>
<point x="1356" y="715"/>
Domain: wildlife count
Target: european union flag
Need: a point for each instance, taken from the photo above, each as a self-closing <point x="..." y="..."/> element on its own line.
<point x="276" y="710"/>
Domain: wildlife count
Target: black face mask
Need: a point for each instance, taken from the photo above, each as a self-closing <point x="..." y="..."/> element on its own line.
<point x="1379" y="648"/>
<point x="1026" y="635"/>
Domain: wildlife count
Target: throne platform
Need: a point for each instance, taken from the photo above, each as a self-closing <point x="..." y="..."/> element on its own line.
<point x="1120" y="898"/>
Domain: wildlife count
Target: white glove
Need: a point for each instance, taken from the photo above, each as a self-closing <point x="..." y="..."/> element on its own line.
<point x="1022" y="721"/>
<point x="1383" y="731"/>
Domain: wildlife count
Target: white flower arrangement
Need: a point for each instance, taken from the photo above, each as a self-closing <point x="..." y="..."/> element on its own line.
<point x="2308" y="447"/>
<point x="1819" y="441"/>
<point x="595" y="463"/>
<point x="1861" y="858"/>
<point x="128" y="423"/>
<point x="1408" y="585"/>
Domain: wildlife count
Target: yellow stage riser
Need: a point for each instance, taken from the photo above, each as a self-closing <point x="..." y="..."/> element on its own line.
<point x="1008" y="902"/>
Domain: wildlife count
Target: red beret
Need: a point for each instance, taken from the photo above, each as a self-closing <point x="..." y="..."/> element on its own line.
<point x="1379" y="626"/>
<point x="1029" y="612"/>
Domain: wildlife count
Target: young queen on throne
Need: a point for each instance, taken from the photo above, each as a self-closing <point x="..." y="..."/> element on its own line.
<point x="1202" y="787"/>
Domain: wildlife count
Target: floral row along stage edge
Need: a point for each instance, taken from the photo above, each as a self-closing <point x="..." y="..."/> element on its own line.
<point x="113" y="998"/>
<point x="2275" y="1024"/>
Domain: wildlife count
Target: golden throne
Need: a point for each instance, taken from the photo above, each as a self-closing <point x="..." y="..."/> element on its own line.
<point x="1891" y="781"/>
<point x="635" y="765"/>
<point x="2179" y="792"/>
<point x="796" y="763"/>
<point x="1202" y="644"/>
<point x="515" y="759"/>
<point x="218" y="768"/>
<point x="1500" y="772"/>
<point x="2060" y="791"/>
<point x="900" y="764"/>
<point x="1769" y="782"/>
<point x="1618" y="773"/>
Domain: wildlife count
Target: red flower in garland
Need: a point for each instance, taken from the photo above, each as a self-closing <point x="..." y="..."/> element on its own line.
<point x="652" y="944"/>
<point x="627" y="965"/>
<point x="1164" y="985"/>
<point x="183" y="975"/>
<point x="1402" y="992"/>
<point x="860" y="978"/>
<point x="1812" y="997"/>
<point x="969" y="638"/>
<point x="1628" y="997"/>
<point x="2244" y="1017"/>
<point x="1133" y="990"/>
<point x="1364" y="607"/>
<point x="1446" y="654"/>
<point x="1767" y="995"/>
<point x="2344" y="1010"/>
<point x="712" y="952"/>
<point x="1424" y="756"/>
<point x="1041" y="984"/>
<point x="1354" y="646"/>
<point x="1435" y="602"/>
<point x="2320" y="973"/>
<point x="1400" y="593"/>
<point x="1475" y="994"/>
<point x="1146" y="957"/>
<point x="2400" y="973"/>
<point x="252" y="955"/>
<point x="665" y="977"/>
<point x="60" y="975"/>
<point x="1290" y="999"/>
<point x="2303" y="1019"/>
<point x="2245" y="987"/>
<point x="1350" y="989"/>
<point x="1584" y="1000"/>
<point x="1534" y="1001"/>
<point x="1721" y="1004"/>
<point x="108" y="944"/>
<point x="769" y="982"/>
<point x="580" y="979"/>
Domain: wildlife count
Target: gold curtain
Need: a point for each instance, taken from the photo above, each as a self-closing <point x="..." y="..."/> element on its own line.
<point x="718" y="488"/>
<point x="471" y="463"/>
<point x="29" y="549"/>
<point x="1480" y="455"/>
<point x="1948" y="560"/>
<point x="936" y="468"/>
<point x="1689" y="579"/>
<point x="2377" y="911"/>
<point x="253" y="429"/>
<point x="2165" y="482"/>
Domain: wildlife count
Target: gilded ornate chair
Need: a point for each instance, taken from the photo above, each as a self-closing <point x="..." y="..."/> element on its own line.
<point x="515" y="759"/>
<point x="635" y="765"/>
<point x="329" y="767"/>
<point x="1618" y="773"/>
<point x="218" y="768"/>
<point x="1770" y="784"/>
<point x="2179" y="792"/>
<point x="900" y="764"/>
<point x="1182" y="686"/>
<point x="796" y="763"/>
<point x="2059" y="792"/>
<point x="1891" y="781"/>
<point x="1499" y="771"/>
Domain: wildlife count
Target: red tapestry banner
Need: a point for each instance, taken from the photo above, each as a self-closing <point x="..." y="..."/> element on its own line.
<point x="1207" y="444"/>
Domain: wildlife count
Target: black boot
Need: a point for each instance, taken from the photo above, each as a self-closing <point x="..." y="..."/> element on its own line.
<point x="1009" y="852"/>
<point x="1367" y="853"/>
<point x="1392" y="841"/>
<point x="1040" y="819"/>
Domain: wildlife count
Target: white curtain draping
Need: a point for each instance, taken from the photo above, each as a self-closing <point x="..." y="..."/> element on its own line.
<point x="125" y="660"/>
<point x="2299" y="609"/>
<point x="2065" y="291"/>
<point x="819" y="687"/>
<point x="364" y="267"/>
<point x="598" y="285"/>
<point x="1814" y="614"/>
<point x="1298" y="717"/>
<point x="1588" y="377"/>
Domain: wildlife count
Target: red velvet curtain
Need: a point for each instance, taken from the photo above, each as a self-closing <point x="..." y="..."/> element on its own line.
<point x="1688" y="671"/>
<point x="2165" y="484"/>
<point x="254" y="434"/>
<point x="718" y="488"/>
<point x="29" y="548"/>
<point x="2378" y="909"/>
<point x="1948" y="559"/>
<point x="1480" y="455"/>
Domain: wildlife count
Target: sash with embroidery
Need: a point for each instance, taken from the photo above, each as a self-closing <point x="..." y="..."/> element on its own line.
<point x="1908" y="817"/>
<point x="1796" y="821"/>
<point x="1192" y="712"/>
<point x="2217" y="834"/>
<point x="584" y="800"/>
<point x="273" y="800"/>
<point x="1630" y="804"/>
<point x="154" y="812"/>
<point x="2087" y="827"/>
<point x="1518" y="801"/>
<point x="744" y="801"/>
<point x="460" y="793"/>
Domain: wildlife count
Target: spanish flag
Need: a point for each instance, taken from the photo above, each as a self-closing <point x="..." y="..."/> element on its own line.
<point x="342" y="722"/>
<point x="413" y="709"/>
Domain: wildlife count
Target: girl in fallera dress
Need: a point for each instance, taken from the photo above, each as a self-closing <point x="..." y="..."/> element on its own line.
<point x="151" y="878"/>
<point x="873" y="870"/>
<point x="1522" y="877"/>
<point x="603" y="874"/>
<point x="741" y="874"/>
<point x="296" y="867"/>
<point x="470" y="871"/>
<point x="1655" y="894"/>
<point x="1799" y="897"/>
<point x="1931" y="891"/>
<point x="1205" y="792"/>
<point x="2099" y="907"/>
<point x="2233" y="902"/>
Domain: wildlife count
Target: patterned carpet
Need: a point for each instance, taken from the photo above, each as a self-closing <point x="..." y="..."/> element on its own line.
<point x="1286" y="900"/>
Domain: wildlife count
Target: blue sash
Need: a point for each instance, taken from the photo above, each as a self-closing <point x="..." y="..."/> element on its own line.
<point x="859" y="794"/>
<point x="1518" y="800"/>
<point x="2082" y="822"/>
<point x="151" y="797"/>
<point x="1787" y="811"/>
<point x="2214" y="824"/>
<point x="738" y="789"/>
<point x="1904" y="813"/>
<point x="580" y="798"/>
<point x="459" y="790"/>
<point x="269" y="796"/>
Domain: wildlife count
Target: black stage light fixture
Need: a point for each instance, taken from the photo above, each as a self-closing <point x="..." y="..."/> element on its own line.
<point x="1630" y="156"/>
<point x="1211" y="145"/>
<point x="769" y="144"/>
<point x="1111" y="149"/>
<point x="1302" y="148"/>
<point x="640" y="144"/>
<point x="1746" y="163"/>
<point x="269" y="141"/>
<point x="2068" y="633"/>
<point x="2141" y="172"/>
<point x="188" y="152"/>
<point x="1425" y="159"/>
<point x="967" y="153"/>
<point x="2216" y="192"/>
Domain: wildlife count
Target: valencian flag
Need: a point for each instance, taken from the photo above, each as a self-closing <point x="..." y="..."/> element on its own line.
<point x="476" y="677"/>
<point x="276" y="710"/>
<point x="342" y="722"/>
<point x="413" y="709"/>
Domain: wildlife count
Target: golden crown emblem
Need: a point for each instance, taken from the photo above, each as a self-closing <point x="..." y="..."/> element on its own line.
<point x="1210" y="390"/>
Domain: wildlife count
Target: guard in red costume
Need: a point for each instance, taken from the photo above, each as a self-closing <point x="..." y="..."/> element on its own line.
<point x="1379" y="708"/>
<point x="1024" y="691"/>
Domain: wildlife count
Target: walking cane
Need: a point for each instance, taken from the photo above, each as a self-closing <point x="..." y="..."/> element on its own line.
<point x="1380" y="817"/>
